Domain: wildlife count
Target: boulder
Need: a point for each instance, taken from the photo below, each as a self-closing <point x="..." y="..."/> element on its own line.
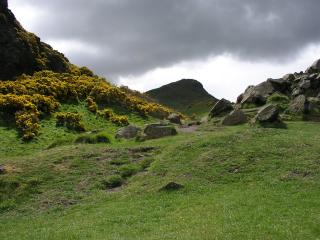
<point x="280" y="84"/>
<point x="313" y="105"/>
<point x="175" y="118"/>
<point x="221" y="108"/>
<point x="305" y="84"/>
<point x="268" y="114"/>
<point x="298" y="105"/>
<point x="258" y="94"/>
<point x="128" y="132"/>
<point x="288" y="77"/>
<point x="234" y="118"/>
<point x="159" y="130"/>
<point x="315" y="67"/>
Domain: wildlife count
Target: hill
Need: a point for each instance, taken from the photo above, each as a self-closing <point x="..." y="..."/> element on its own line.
<point x="187" y="96"/>
<point x="23" y="52"/>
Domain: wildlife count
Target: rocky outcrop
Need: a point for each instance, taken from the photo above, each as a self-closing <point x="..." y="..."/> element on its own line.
<point x="297" y="88"/>
<point x="221" y="108"/>
<point x="236" y="117"/>
<point x="23" y="52"/>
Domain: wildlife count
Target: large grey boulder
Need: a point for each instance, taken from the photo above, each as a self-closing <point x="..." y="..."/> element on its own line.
<point x="128" y="132"/>
<point x="268" y="114"/>
<point x="234" y="118"/>
<point x="159" y="130"/>
<point x="257" y="94"/>
<point x="221" y="108"/>
<point x="299" y="105"/>
<point x="315" y="67"/>
<point x="175" y="118"/>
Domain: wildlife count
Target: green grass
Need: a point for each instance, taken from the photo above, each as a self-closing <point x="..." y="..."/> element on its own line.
<point x="240" y="183"/>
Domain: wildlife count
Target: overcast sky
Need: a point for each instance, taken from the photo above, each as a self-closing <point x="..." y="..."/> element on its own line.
<point x="225" y="44"/>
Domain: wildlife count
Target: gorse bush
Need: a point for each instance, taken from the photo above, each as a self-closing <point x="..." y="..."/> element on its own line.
<point x="42" y="93"/>
<point x="72" y="121"/>
<point x="108" y="114"/>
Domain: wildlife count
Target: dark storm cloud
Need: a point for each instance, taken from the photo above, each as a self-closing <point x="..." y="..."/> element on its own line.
<point x="137" y="35"/>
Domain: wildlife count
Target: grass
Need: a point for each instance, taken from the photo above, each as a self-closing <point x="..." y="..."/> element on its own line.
<point x="239" y="183"/>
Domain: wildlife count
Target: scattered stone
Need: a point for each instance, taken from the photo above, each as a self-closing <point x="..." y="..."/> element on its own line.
<point x="234" y="118"/>
<point x="298" y="105"/>
<point x="268" y="114"/>
<point x="172" y="186"/>
<point x="221" y="108"/>
<point x="159" y="130"/>
<point x="128" y="132"/>
<point x="175" y="118"/>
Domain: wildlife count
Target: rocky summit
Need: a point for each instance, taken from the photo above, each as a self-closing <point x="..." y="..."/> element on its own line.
<point x="23" y="52"/>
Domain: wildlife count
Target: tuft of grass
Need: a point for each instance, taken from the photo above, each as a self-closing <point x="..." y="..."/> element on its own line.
<point x="112" y="181"/>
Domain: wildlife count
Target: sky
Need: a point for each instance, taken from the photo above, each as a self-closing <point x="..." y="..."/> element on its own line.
<point x="225" y="44"/>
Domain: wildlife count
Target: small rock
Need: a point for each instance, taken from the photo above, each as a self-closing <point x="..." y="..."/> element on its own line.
<point x="175" y="118"/>
<point x="2" y="169"/>
<point x="128" y="132"/>
<point x="234" y="118"/>
<point x="268" y="113"/>
<point x="222" y="107"/>
<point x="172" y="186"/>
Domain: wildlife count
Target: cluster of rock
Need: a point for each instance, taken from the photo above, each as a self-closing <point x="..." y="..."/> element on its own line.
<point x="296" y="94"/>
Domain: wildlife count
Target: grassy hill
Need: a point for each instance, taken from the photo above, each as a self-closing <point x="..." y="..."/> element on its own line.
<point x="239" y="182"/>
<point x="187" y="96"/>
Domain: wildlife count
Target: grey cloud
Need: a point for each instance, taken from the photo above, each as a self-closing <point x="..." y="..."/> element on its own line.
<point x="138" y="35"/>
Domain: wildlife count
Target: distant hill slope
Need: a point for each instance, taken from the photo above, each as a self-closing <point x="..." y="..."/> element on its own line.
<point x="23" y="52"/>
<point x="187" y="95"/>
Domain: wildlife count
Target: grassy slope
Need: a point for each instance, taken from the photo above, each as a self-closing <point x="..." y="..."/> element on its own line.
<point x="239" y="183"/>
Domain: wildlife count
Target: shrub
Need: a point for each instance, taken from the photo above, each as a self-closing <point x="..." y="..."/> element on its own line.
<point x="120" y="120"/>
<point x="91" y="105"/>
<point x="113" y="181"/>
<point x="279" y="100"/>
<point x="72" y="121"/>
<point x="106" y="113"/>
<point x="128" y="170"/>
<point x="93" y="139"/>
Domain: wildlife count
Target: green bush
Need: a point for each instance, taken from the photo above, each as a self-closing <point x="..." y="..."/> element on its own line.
<point x="112" y="181"/>
<point x="279" y="100"/>
<point x="93" y="138"/>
